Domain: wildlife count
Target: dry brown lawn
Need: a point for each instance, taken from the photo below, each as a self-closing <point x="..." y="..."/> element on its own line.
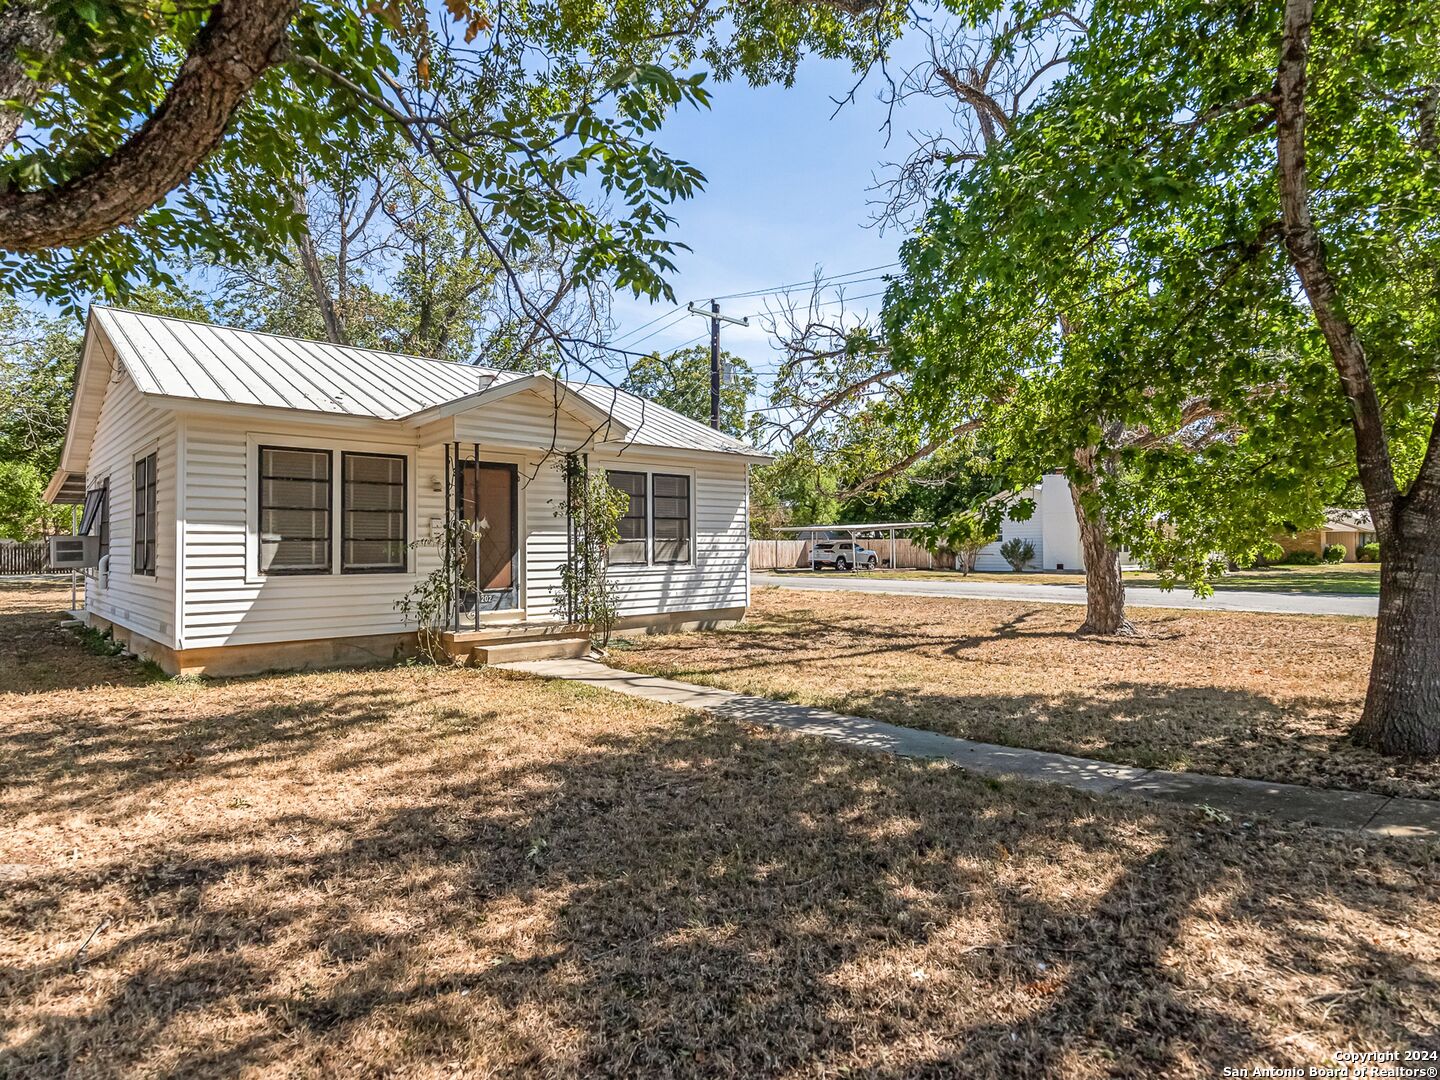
<point x="1266" y="696"/>
<point x="423" y="872"/>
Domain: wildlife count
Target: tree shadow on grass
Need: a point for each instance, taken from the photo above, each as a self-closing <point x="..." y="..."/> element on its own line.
<point x="700" y="899"/>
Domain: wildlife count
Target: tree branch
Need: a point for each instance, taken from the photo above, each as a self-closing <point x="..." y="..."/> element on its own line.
<point x="241" y="40"/>
<point x="909" y="459"/>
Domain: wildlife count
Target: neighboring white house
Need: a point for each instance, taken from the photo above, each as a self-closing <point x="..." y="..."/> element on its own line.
<point x="257" y="498"/>
<point x="1052" y="530"/>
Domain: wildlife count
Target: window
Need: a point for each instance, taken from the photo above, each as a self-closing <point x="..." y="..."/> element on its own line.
<point x="372" y="510"/>
<point x="143" y="536"/>
<point x="671" y="516"/>
<point x="294" y="511"/>
<point x="95" y="519"/>
<point x="630" y="549"/>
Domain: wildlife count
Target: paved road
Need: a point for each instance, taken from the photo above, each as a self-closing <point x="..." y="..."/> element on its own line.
<point x="1136" y="596"/>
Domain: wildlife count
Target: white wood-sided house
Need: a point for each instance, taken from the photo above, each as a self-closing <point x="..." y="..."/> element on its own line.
<point x="258" y="498"/>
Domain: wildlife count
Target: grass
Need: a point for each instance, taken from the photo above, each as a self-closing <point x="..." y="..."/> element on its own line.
<point x="1265" y="696"/>
<point x="425" y="872"/>
<point x="1343" y="579"/>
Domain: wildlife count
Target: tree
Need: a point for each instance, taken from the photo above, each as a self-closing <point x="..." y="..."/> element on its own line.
<point x="681" y="381"/>
<point x="37" y="367"/>
<point x="24" y="514"/>
<point x="1264" y="186"/>
<point x="135" y="135"/>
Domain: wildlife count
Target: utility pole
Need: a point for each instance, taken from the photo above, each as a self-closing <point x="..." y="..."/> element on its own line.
<point x="715" y="320"/>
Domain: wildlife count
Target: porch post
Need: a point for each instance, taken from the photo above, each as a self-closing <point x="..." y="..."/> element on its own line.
<point x="448" y="523"/>
<point x="475" y="533"/>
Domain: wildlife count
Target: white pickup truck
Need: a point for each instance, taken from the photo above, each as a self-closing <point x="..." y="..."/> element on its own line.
<point x="843" y="555"/>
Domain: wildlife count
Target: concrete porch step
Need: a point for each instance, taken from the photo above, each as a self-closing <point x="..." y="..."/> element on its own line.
<point x="549" y="648"/>
<point x="458" y="641"/>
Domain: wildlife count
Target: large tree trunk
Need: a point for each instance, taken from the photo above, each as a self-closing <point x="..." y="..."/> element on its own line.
<point x="1104" y="589"/>
<point x="1402" y="706"/>
<point x="25" y="28"/>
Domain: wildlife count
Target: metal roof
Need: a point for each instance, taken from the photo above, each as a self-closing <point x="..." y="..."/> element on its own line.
<point x="874" y="526"/>
<point x="178" y="358"/>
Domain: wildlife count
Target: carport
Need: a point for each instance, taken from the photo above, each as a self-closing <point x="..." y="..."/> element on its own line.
<point x="857" y="532"/>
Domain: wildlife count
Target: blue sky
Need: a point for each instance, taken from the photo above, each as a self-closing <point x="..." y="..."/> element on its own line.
<point x="787" y="191"/>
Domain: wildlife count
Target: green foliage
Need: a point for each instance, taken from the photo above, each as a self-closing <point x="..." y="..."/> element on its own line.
<point x="962" y="535"/>
<point x="1139" y="201"/>
<point x="24" y="514"/>
<point x="558" y="151"/>
<point x="1018" y="553"/>
<point x="430" y="603"/>
<point x="1368" y="553"/>
<point x="592" y="509"/>
<point x="99" y="642"/>
<point x="1334" y="553"/>
<point x="37" y="368"/>
<point x="681" y="381"/>
<point x="1302" y="558"/>
<point x="1270" y="553"/>
<point x="797" y="488"/>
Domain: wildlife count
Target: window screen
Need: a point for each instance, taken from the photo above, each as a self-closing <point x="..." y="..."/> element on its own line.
<point x="630" y="549"/>
<point x="373" y="504"/>
<point x="143" y="536"/>
<point x="294" y="511"/>
<point x="671" y="515"/>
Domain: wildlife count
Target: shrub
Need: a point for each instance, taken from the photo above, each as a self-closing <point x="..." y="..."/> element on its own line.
<point x="1368" y="552"/>
<point x="1302" y="558"/>
<point x="1334" y="553"/>
<point x="1017" y="552"/>
<point x="1269" y="554"/>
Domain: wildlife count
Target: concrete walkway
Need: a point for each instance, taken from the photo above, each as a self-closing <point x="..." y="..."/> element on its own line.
<point x="1378" y="815"/>
<point x="1135" y="595"/>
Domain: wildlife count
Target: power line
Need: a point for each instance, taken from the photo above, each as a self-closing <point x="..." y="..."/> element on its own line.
<point x="831" y="280"/>
<point x="664" y="314"/>
<point x="847" y="278"/>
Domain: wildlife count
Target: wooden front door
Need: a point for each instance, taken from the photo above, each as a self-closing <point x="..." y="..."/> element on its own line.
<point x="489" y="508"/>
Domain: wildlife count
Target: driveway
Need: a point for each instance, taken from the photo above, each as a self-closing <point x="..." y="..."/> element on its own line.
<point x="1137" y="596"/>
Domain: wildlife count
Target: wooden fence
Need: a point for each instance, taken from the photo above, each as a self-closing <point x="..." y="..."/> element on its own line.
<point x="32" y="558"/>
<point x="795" y="554"/>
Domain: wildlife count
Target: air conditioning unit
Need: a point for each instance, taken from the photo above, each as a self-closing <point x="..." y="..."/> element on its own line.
<point x="74" y="552"/>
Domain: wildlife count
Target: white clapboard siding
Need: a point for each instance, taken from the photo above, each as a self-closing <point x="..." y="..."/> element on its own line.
<point x="718" y="574"/>
<point x="127" y="428"/>
<point x="990" y="558"/>
<point x="524" y="420"/>
<point x="224" y="602"/>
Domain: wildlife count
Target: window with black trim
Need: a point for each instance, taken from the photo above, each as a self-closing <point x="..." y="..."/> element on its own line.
<point x="95" y="519"/>
<point x="372" y="508"/>
<point x="630" y="548"/>
<point x="670" y="518"/>
<point x="294" y="510"/>
<point x="143" y="535"/>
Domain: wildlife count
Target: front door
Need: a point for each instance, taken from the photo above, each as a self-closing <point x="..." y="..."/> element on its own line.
<point x="489" y="510"/>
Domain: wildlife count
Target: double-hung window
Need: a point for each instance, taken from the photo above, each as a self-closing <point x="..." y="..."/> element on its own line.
<point x="142" y="540"/>
<point x="295" y="494"/>
<point x="656" y="525"/>
<point x="671" y="517"/>
<point x="372" y="537"/>
<point x="630" y="549"/>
